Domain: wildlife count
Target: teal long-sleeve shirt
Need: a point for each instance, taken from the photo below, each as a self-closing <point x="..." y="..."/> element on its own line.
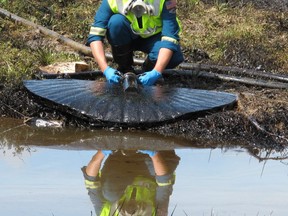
<point x="170" y="25"/>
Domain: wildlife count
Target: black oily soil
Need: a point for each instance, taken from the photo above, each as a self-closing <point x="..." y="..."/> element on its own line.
<point x="227" y="127"/>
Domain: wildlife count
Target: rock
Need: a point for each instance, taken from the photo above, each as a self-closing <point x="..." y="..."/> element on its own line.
<point x="65" y="67"/>
<point x="81" y="66"/>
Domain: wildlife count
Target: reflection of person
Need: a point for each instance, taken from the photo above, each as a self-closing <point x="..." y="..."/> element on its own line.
<point x="130" y="25"/>
<point x="138" y="183"/>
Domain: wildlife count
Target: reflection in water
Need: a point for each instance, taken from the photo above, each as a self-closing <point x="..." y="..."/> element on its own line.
<point x="132" y="182"/>
<point x="40" y="174"/>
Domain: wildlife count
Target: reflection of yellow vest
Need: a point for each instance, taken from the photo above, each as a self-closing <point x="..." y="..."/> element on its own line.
<point x="144" y="192"/>
<point x="151" y="24"/>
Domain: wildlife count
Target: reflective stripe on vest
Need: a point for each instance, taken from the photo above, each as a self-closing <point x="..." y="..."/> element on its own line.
<point x="97" y="31"/>
<point x="165" y="38"/>
<point x="92" y="184"/>
<point x="171" y="181"/>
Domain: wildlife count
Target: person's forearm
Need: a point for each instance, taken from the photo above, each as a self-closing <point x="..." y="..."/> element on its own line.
<point x="98" y="52"/>
<point x="164" y="57"/>
<point x="159" y="164"/>
<point x="94" y="165"/>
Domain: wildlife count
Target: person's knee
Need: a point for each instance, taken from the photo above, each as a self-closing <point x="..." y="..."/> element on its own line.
<point x="119" y="32"/>
<point x="117" y="24"/>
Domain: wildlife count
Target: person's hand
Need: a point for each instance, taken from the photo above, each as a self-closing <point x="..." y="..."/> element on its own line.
<point x="150" y="77"/>
<point x="112" y="75"/>
<point x="106" y="152"/>
<point x="148" y="152"/>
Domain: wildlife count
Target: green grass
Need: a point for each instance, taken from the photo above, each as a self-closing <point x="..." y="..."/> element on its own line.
<point x="15" y="65"/>
<point x="227" y="33"/>
<point x="19" y="61"/>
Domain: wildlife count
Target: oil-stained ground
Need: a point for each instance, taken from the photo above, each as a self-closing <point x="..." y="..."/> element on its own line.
<point x="260" y="118"/>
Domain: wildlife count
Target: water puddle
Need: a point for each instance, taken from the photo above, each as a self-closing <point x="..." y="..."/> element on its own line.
<point x="41" y="175"/>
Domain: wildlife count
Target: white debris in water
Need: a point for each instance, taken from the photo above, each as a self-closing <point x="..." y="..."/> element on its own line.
<point x="48" y="123"/>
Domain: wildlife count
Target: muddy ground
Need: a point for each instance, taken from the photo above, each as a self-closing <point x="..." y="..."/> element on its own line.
<point x="259" y="120"/>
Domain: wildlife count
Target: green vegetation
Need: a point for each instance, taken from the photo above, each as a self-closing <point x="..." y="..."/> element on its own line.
<point x="241" y="36"/>
<point x="19" y="61"/>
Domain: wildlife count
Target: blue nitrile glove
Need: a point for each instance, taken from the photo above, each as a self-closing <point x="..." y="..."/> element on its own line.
<point x="106" y="152"/>
<point x="112" y="75"/>
<point x="150" y="77"/>
<point x="148" y="152"/>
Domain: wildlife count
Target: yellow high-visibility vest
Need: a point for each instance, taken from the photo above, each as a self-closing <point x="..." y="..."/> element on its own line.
<point x="145" y="191"/>
<point x="150" y="24"/>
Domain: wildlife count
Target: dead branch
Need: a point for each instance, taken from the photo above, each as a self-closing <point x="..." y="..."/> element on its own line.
<point x="73" y="44"/>
<point x="77" y="46"/>
<point x="236" y="70"/>
<point x="191" y="68"/>
<point x="254" y="122"/>
<point x="226" y="77"/>
<point x="257" y="154"/>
